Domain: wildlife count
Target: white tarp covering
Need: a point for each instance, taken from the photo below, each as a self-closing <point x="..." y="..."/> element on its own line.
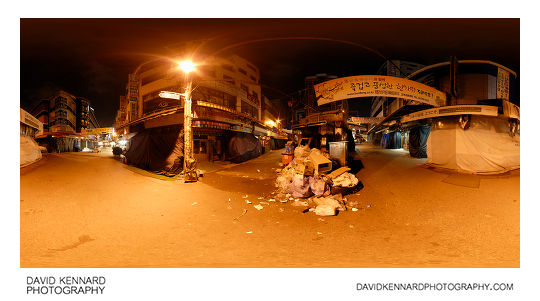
<point x="485" y="147"/>
<point x="30" y="151"/>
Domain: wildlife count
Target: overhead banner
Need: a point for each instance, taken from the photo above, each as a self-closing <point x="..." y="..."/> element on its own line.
<point x="503" y="84"/>
<point x="369" y="120"/>
<point x="377" y="85"/>
<point x="98" y="131"/>
<point x="451" y="110"/>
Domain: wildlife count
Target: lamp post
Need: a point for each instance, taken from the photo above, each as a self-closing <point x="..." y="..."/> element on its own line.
<point x="190" y="173"/>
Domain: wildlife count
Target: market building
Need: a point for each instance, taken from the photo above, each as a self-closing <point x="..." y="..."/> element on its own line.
<point x="474" y="129"/>
<point x="228" y="115"/>
<point x="65" y="118"/>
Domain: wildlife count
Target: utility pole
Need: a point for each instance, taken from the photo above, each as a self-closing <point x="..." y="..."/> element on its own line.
<point x="190" y="172"/>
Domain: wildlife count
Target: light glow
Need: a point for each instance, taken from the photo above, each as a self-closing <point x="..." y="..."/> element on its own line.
<point x="186" y="66"/>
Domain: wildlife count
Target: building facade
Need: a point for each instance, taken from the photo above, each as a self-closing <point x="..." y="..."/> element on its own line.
<point x="64" y="117"/>
<point x="475" y="130"/>
<point x="226" y="97"/>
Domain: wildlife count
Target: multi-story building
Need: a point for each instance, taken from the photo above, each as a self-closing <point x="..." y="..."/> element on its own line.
<point x="383" y="106"/>
<point x="226" y="97"/>
<point x="65" y="117"/>
<point x="476" y="129"/>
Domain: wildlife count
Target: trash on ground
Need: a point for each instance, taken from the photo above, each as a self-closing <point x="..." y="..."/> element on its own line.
<point x="243" y="213"/>
<point x="299" y="203"/>
<point x="245" y="196"/>
<point x="258" y="207"/>
<point x="249" y="232"/>
<point x="368" y="205"/>
<point x="248" y="201"/>
<point x="194" y="203"/>
<point x="345" y="180"/>
<point x="319" y="233"/>
<point x="325" y="210"/>
<point x="264" y="203"/>
<point x="271" y="200"/>
<point x="354" y="209"/>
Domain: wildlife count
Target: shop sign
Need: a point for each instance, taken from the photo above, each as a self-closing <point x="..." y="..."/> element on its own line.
<point x="370" y="120"/>
<point x="377" y="85"/>
<point x="451" y="110"/>
<point x="171" y="95"/>
<point x="503" y="84"/>
<point x="97" y="131"/>
<point x="217" y="115"/>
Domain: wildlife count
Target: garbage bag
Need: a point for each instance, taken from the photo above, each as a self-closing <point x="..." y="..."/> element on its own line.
<point x="300" y="187"/>
<point x="317" y="185"/>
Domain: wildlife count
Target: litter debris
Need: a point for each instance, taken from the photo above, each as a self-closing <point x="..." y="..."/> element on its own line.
<point x="351" y="226"/>
<point x="337" y="172"/>
<point x="243" y="213"/>
<point x="321" y="219"/>
<point x="290" y="199"/>
<point x="281" y="209"/>
<point x="368" y="205"/>
<point x="194" y="203"/>
<point x="271" y="200"/>
<point x="258" y="207"/>
<point x="354" y="209"/>
<point x="265" y="203"/>
<point x="258" y="170"/>
<point x="260" y="198"/>
<point x="245" y="196"/>
<point x="284" y="201"/>
<point x="229" y="199"/>
<point x="248" y="201"/>
<point x="229" y="207"/>
<point x="319" y="233"/>
<point x="345" y="180"/>
<point x="249" y="232"/>
<point x="299" y="203"/>
<point x="325" y="210"/>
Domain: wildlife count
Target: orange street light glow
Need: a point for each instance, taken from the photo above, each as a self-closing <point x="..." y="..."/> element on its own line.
<point x="186" y="66"/>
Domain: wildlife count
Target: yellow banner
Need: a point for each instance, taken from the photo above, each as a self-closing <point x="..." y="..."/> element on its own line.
<point x="377" y="85"/>
<point x="98" y="131"/>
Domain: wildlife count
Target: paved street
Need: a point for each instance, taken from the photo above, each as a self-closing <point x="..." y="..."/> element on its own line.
<point x="89" y="210"/>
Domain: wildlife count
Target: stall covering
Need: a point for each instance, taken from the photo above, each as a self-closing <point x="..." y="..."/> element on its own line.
<point x="418" y="137"/>
<point x="486" y="146"/>
<point x="158" y="149"/>
<point x="30" y="151"/>
<point x="242" y="147"/>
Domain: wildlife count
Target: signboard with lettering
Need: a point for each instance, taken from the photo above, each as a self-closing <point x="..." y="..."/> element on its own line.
<point x="171" y="95"/>
<point x="377" y="85"/>
<point x="451" y="110"/>
<point x="503" y="84"/>
<point x="97" y="131"/>
<point x="370" y="120"/>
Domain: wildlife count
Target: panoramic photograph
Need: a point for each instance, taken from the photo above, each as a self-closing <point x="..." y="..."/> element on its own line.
<point x="269" y="143"/>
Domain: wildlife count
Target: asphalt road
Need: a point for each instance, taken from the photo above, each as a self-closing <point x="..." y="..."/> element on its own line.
<point x="88" y="210"/>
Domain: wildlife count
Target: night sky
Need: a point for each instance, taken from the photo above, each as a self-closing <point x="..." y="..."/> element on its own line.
<point x="92" y="57"/>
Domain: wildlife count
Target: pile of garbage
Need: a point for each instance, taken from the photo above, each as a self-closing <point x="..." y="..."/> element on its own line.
<point x="310" y="175"/>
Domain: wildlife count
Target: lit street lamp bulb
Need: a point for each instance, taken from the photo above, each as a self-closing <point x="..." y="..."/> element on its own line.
<point x="186" y="66"/>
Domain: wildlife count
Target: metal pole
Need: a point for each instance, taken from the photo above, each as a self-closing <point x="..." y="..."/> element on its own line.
<point x="190" y="173"/>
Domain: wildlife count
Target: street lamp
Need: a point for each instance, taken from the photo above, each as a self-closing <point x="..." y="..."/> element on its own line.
<point x="190" y="173"/>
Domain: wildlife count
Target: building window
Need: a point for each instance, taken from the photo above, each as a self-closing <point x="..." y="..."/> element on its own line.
<point x="242" y="71"/>
<point x="228" y="67"/>
<point x="249" y="109"/>
<point x="214" y="96"/>
<point x="251" y="67"/>
<point x="228" y="79"/>
<point x="253" y="78"/>
<point x="244" y="87"/>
